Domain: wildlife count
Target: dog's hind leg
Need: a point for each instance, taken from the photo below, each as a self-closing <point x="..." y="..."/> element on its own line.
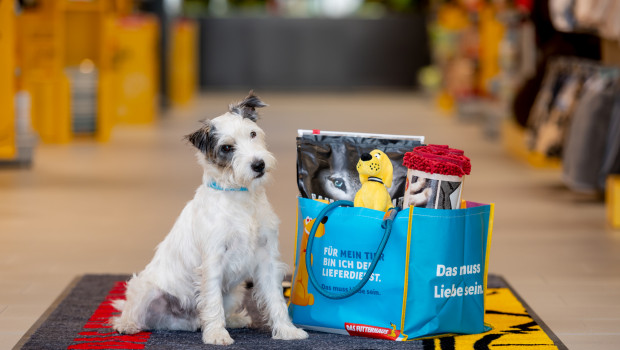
<point x="139" y="295"/>
<point x="236" y="315"/>
<point x="165" y="312"/>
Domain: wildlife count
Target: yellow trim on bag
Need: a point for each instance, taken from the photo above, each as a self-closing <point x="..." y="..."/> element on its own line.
<point x="488" y="250"/>
<point x="295" y="262"/>
<point x="402" y="317"/>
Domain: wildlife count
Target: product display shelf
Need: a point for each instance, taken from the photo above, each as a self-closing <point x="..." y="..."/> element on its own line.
<point x="513" y="138"/>
<point x="612" y="200"/>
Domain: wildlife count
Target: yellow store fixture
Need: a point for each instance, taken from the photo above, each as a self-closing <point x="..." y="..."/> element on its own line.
<point x="8" y="148"/>
<point x="184" y="63"/>
<point x="612" y="199"/>
<point x="41" y="60"/>
<point x="91" y="65"/>
<point x="50" y="106"/>
<point x="514" y="141"/>
<point x="135" y="63"/>
<point x="491" y="32"/>
<point x="74" y="57"/>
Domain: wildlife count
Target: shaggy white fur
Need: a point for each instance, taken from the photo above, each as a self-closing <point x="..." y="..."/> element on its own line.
<point x="227" y="234"/>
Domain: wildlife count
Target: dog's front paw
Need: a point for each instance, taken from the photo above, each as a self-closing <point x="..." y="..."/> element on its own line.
<point x="218" y="336"/>
<point x="123" y="326"/>
<point x="289" y="333"/>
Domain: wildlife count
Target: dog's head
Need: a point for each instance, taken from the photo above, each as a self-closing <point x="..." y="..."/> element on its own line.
<point x="232" y="147"/>
<point x="375" y="164"/>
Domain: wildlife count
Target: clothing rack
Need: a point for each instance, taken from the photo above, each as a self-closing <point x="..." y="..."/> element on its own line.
<point x="576" y="118"/>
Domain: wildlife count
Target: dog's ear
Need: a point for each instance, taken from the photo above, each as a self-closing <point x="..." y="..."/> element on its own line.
<point x="247" y="107"/>
<point x="387" y="170"/>
<point x="201" y="138"/>
<point x="363" y="178"/>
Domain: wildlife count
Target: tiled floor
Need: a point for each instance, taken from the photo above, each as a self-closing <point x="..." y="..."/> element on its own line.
<point x="101" y="208"/>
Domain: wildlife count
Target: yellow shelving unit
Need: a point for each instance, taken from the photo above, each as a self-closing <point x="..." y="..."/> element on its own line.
<point x="8" y="147"/>
<point x="612" y="200"/>
<point x="184" y="62"/>
<point x="513" y="139"/>
<point x="40" y="51"/>
<point x="135" y="65"/>
<point x="87" y="65"/>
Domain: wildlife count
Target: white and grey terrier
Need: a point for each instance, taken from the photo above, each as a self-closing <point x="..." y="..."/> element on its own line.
<point x="227" y="234"/>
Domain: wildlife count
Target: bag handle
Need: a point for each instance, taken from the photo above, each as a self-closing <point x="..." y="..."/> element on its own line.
<point x="388" y="221"/>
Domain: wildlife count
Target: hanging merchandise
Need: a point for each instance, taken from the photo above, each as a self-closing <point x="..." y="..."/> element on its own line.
<point x="590" y="12"/>
<point x="589" y="16"/>
<point x="610" y="26"/>
<point x="550" y="114"/>
<point x="562" y="15"/>
<point x="586" y="140"/>
<point x="576" y="119"/>
<point x="611" y="163"/>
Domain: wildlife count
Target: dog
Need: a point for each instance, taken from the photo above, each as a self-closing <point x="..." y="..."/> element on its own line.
<point x="376" y="172"/>
<point x="227" y="234"/>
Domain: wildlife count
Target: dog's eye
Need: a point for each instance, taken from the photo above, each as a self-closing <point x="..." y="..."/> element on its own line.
<point x="226" y="148"/>
<point x="253" y="134"/>
<point x="378" y="156"/>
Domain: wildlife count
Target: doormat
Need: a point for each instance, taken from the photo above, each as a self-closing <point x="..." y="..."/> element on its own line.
<point x="78" y="320"/>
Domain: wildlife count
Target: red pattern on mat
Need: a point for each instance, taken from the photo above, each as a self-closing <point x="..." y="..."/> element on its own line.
<point x="104" y="337"/>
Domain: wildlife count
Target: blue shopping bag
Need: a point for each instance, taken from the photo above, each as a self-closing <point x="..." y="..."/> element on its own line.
<point x="420" y="272"/>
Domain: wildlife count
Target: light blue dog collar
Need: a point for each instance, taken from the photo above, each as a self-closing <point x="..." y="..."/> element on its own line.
<point x="215" y="186"/>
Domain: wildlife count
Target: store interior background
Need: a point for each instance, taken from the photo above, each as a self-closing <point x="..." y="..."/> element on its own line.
<point x="96" y="96"/>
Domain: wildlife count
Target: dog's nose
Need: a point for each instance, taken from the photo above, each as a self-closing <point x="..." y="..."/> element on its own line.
<point x="258" y="166"/>
<point x="366" y="157"/>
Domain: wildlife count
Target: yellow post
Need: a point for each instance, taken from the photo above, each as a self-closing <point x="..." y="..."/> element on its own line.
<point x="8" y="149"/>
<point x="107" y="86"/>
<point x="612" y="200"/>
<point x="51" y="106"/>
<point x="184" y="63"/>
<point x="491" y="32"/>
<point x="136" y="69"/>
<point x="41" y="46"/>
<point x="87" y="45"/>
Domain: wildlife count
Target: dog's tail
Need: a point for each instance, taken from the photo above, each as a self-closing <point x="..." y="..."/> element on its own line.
<point x="118" y="304"/>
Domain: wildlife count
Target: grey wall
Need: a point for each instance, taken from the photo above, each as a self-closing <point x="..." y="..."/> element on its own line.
<point x="313" y="53"/>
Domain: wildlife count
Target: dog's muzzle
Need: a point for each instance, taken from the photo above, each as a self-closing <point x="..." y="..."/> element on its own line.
<point x="258" y="166"/>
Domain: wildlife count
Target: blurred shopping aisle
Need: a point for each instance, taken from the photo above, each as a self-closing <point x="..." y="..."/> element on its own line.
<point x="87" y="207"/>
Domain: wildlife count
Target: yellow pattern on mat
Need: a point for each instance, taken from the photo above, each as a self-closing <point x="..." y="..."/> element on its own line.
<point x="513" y="328"/>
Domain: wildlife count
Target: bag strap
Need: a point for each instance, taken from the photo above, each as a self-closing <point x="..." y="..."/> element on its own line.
<point x="388" y="221"/>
